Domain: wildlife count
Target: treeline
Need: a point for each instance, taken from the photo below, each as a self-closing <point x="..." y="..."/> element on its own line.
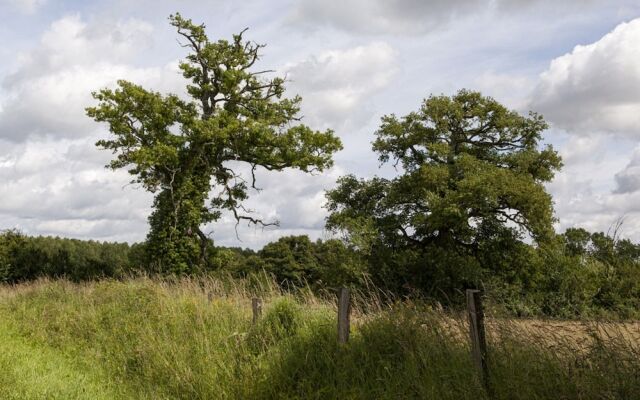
<point x="292" y="261"/>
<point x="577" y="274"/>
<point x="24" y="258"/>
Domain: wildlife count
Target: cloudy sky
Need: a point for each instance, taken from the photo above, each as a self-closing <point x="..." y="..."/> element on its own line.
<point x="576" y="62"/>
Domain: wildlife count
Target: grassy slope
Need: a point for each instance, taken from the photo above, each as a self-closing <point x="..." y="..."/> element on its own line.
<point x="31" y="371"/>
<point x="147" y="340"/>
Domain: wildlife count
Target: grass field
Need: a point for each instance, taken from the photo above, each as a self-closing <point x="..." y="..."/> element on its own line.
<point x="193" y="339"/>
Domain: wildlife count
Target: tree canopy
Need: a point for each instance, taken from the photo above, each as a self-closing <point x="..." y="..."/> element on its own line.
<point x="189" y="152"/>
<point x="469" y="191"/>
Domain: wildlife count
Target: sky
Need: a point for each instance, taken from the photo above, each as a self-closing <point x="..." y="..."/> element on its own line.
<point x="576" y="62"/>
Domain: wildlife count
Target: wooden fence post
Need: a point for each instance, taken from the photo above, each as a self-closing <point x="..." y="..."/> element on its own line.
<point x="344" y="311"/>
<point x="256" y="306"/>
<point x="477" y="334"/>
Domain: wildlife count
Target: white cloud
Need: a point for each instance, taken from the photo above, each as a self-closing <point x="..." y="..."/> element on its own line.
<point x="628" y="180"/>
<point x="595" y="88"/>
<point x="585" y="193"/>
<point x="26" y="6"/>
<point x="581" y="150"/>
<point x="43" y="184"/>
<point x="593" y="95"/>
<point x="506" y="88"/>
<point x="291" y="197"/>
<point x="71" y="41"/>
<point x="52" y="84"/>
<point x="336" y="84"/>
<point x="381" y="16"/>
<point x="52" y="176"/>
<point x="411" y="17"/>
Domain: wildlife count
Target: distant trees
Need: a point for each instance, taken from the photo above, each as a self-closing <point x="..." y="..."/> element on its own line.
<point x="470" y="190"/>
<point x="299" y="261"/>
<point x="10" y="241"/>
<point x="185" y="150"/>
<point x="295" y="261"/>
<point x="25" y="258"/>
<point x="603" y="247"/>
<point x="577" y="273"/>
<point x="291" y="260"/>
<point x="588" y="273"/>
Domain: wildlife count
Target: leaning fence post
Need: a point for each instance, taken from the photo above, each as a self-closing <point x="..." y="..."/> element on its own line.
<point x="256" y="306"/>
<point x="344" y="311"/>
<point x="477" y="333"/>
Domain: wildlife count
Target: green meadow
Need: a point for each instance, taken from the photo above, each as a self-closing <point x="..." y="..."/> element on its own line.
<point x="194" y="339"/>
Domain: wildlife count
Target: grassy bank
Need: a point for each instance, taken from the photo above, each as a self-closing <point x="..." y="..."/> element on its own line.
<point x="193" y="339"/>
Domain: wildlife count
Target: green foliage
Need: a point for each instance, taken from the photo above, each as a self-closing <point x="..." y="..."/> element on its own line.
<point x="282" y="320"/>
<point x="183" y="150"/>
<point x="10" y="242"/>
<point x="237" y="261"/>
<point x="578" y="274"/>
<point x="26" y="258"/>
<point x="291" y="259"/>
<point x="339" y="265"/>
<point x="590" y="274"/>
<point x="324" y="264"/>
<point x="471" y="190"/>
<point x="294" y="261"/>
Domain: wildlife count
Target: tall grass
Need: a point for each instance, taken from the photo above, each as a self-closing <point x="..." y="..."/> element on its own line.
<point x="193" y="339"/>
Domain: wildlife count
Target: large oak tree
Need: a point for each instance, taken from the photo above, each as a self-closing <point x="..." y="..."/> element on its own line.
<point x="469" y="194"/>
<point x="187" y="151"/>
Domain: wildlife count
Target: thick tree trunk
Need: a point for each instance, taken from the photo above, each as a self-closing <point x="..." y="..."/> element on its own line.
<point x="175" y="242"/>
